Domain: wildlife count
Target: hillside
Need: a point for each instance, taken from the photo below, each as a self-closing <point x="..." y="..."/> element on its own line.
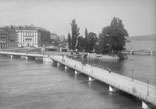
<point x="143" y="38"/>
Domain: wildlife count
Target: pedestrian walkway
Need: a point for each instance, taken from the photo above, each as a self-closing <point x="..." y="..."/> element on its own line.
<point x="141" y="90"/>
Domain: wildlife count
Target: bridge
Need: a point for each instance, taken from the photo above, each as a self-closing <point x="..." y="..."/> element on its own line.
<point x="140" y="52"/>
<point x="27" y="56"/>
<point x="144" y="91"/>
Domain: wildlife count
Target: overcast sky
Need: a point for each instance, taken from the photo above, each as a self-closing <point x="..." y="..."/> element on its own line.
<point x="138" y="16"/>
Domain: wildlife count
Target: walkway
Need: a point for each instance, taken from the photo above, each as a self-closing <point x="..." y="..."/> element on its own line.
<point x="143" y="91"/>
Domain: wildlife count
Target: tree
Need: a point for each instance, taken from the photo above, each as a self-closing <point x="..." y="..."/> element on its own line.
<point x="112" y="38"/>
<point x="86" y="42"/>
<point x="75" y="33"/>
<point x="91" y="41"/>
<point x="44" y="37"/>
<point x="81" y="43"/>
<point x="103" y="41"/>
<point x="69" y="41"/>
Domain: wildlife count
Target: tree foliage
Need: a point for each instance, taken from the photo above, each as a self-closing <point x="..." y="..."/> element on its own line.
<point x="81" y="43"/>
<point x="91" y="40"/>
<point x="112" y="38"/>
<point x="44" y="37"/>
<point x="75" y="33"/>
<point x="86" y="37"/>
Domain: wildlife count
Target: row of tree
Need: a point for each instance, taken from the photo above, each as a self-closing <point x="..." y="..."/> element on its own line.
<point x="112" y="39"/>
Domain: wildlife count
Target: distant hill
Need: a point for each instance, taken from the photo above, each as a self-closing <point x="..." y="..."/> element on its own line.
<point x="143" y="38"/>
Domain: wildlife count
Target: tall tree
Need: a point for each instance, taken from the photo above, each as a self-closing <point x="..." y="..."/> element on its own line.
<point x="75" y="33"/>
<point x="91" y="41"/>
<point x="69" y="41"/>
<point x="112" y="38"/>
<point x="86" y="38"/>
<point x="81" y="44"/>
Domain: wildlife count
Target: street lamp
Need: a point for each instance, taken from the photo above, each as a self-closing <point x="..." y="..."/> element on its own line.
<point x="132" y="74"/>
<point x="148" y="88"/>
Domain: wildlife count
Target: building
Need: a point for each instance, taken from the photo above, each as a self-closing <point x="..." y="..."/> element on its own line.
<point x="3" y="38"/>
<point x="31" y="36"/>
<point x="23" y="36"/>
<point x="61" y="38"/>
<point x="53" y="36"/>
<point x="8" y="38"/>
<point x="27" y="36"/>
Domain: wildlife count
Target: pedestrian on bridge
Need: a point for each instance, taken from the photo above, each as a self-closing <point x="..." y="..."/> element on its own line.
<point x="109" y="70"/>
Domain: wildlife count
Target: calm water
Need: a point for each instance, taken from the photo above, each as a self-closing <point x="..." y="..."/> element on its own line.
<point x="141" y="45"/>
<point x="33" y="85"/>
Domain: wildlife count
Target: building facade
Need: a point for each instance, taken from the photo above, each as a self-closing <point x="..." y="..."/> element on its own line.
<point x="8" y="38"/>
<point x="61" y="38"/>
<point x="23" y="36"/>
<point x="27" y="36"/>
<point x="3" y="39"/>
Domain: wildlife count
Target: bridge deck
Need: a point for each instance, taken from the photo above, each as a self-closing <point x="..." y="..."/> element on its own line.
<point x="136" y="88"/>
<point x="21" y="54"/>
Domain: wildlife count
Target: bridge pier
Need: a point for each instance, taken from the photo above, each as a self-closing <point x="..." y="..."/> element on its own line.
<point x="58" y="64"/>
<point x="65" y="68"/>
<point x="54" y="63"/>
<point x="11" y="56"/>
<point x="151" y="52"/>
<point x="111" y="89"/>
<point x="144" y="105"/>
<point x="90" y="78"/>
<point x="76" y="72"/>
<point x="26" y="57"/>
<point x="31" y="58"/>
<point x="131" y="52"/>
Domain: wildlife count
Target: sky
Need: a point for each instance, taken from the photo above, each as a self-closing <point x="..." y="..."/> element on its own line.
<point x="138" y="16"/>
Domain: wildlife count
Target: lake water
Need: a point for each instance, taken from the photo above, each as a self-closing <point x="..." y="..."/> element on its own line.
<point x="141" y="45"/>
<point x="34" y="85"/>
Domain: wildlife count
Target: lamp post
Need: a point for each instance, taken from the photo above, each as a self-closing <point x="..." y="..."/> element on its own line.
<point x="132" y="74"/>
<point x="147" y="87"/>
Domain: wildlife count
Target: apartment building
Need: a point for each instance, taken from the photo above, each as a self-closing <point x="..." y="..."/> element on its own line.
<point x="8" y="38"/>
<point x="27" y="36"/>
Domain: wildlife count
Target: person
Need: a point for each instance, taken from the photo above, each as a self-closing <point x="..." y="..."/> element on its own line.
<point x="109" y="70"/>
